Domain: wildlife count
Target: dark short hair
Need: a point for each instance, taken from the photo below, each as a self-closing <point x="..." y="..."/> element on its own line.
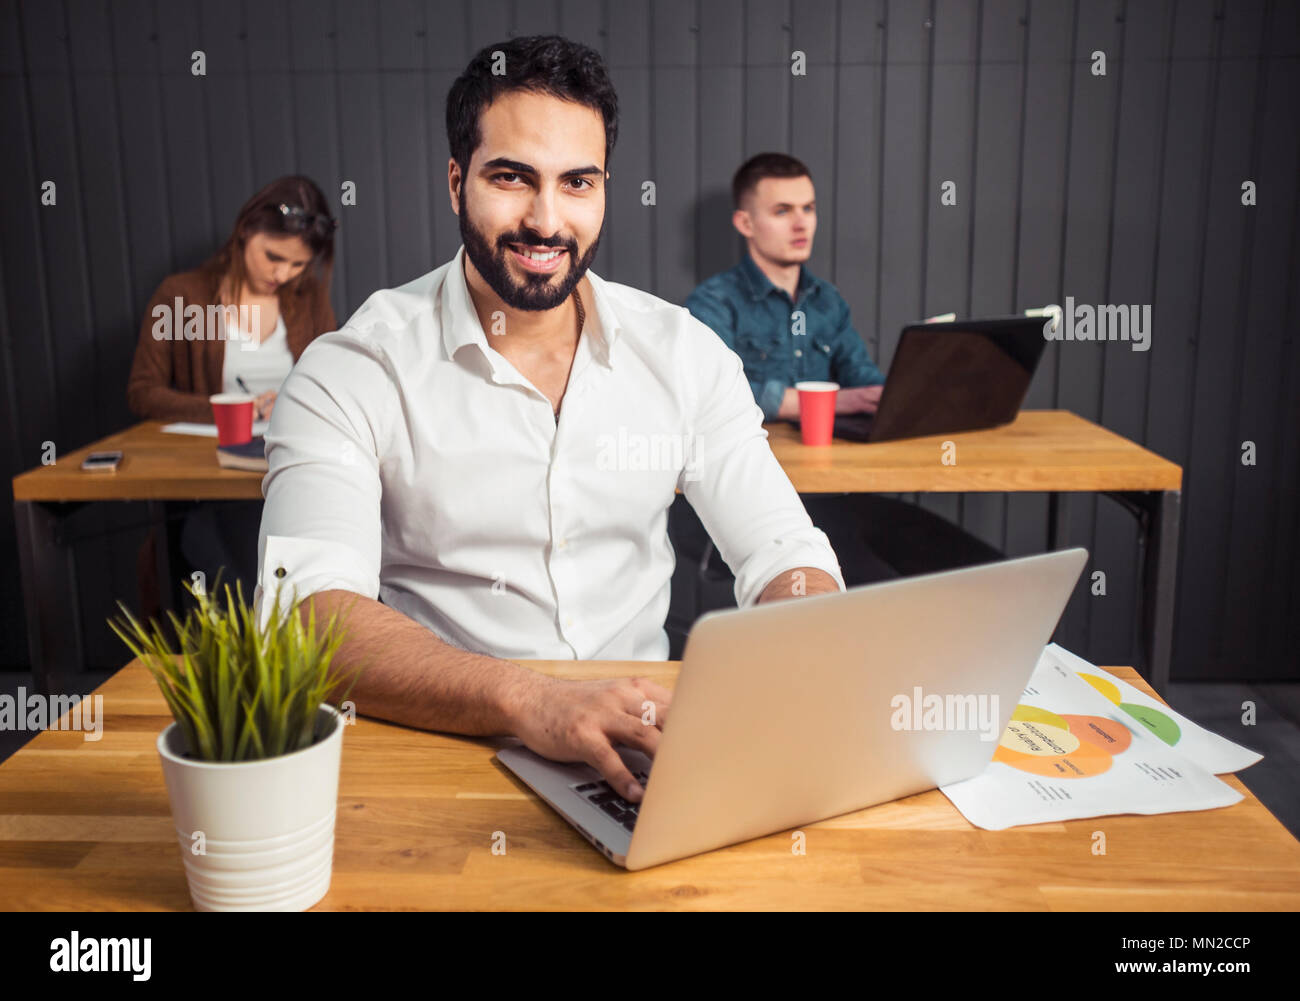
<point x="764" y="165"/>
<point x="542" y="64"/>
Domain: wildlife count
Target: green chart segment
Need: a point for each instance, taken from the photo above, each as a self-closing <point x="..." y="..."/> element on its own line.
<point x="1154" y="720"/>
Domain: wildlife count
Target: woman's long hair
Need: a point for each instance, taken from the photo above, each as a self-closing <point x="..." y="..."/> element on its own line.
<point x="289" y="206"/>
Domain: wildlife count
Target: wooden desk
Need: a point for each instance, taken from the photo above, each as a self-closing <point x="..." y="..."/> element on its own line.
<point x="86" y="825"/>
<point x="1046" y="450"/>
<point x="155" y="468"/>
<point x="1049" y="451"/>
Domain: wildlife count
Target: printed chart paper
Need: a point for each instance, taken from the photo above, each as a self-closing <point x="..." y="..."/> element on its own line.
<point x="1212" y="752"/>
<point x="1071" y="752"/>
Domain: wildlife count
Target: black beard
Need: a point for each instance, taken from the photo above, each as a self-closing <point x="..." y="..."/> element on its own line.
<point x="538" y="292"/>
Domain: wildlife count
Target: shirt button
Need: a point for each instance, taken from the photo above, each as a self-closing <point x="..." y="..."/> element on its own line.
<point x="562" y="544"/>
<point x="279" y="571"/>
<point x="798" y="353"/>
<point x="568" y="620"/>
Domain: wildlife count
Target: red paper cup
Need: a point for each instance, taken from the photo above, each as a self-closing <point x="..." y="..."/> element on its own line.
<point x="233" y="413"/>
<point x="817" y="411"/>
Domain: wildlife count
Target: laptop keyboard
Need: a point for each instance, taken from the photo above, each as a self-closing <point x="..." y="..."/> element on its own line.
<point x="601" y="794"/>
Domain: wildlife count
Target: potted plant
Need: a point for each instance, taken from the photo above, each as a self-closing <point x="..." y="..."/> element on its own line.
<point x="251" y="760"/>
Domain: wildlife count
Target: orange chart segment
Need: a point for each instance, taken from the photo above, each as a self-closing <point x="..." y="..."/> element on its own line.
<point x="1086" y="760"/>
<point x="1107" y="734"/>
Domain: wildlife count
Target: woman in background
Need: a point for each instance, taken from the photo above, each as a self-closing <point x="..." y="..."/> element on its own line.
<point x="278" y="258"/>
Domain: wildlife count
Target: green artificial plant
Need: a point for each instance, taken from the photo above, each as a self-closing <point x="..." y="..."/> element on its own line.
<point x="238" y="691"/>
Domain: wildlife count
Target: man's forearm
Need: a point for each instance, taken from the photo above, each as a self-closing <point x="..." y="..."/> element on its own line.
<point x="800" y="583"/>
<point x="789" y="404"/>
<point x="412" y="677"/>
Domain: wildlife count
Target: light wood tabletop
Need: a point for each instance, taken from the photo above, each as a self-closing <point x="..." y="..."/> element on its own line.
<point x="1042" y="450"/>
<point x="156" y="465"/>
<point x="85" y="825"/>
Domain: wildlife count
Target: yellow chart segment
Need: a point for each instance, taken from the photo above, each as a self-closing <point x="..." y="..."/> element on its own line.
<point x="1107" y="688"/>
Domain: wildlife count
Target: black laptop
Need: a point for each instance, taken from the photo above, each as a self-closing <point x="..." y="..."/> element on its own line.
<point x="959" y="375"/>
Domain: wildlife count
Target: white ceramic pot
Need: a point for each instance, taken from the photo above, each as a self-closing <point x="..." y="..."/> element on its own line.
<point x="268" y="826"/>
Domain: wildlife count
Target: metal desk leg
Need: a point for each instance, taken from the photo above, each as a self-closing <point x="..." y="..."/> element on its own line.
<point x="1160" y="579"/>
<point x="1058" y="519"/>
<point x="49" y="594"/>
<point x="162" y="557"/>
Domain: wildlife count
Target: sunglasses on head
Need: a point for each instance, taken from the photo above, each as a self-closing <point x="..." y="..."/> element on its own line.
<point x="296" y="219"/>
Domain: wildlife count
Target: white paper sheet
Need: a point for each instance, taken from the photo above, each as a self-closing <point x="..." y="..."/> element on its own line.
<point x="1212" y="752"/>
<point x="1070" y="752"/>
<point x="209" y="430"/>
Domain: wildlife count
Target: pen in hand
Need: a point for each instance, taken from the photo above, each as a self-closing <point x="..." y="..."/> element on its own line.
<point x="257" y="411"/>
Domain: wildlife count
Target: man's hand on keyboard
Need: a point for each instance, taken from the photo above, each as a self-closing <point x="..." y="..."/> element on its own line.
<point x="583" y="720"/>
<point x="858" y="399"/>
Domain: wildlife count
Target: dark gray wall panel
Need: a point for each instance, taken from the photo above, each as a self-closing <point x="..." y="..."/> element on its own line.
<point x="1258" y="510"/>
<point x="999" y="133"/>
<point x="1141" y="74"/>
<point x="1120" y="189"/>
<point x="1040" y="245"/>
<point x="721" y="133"/>
<point x="950" y="141"/>
<point x="1215" y="445"/>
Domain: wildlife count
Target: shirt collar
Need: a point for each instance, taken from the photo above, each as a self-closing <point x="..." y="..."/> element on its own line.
<point x="460" y="325"/>
<point x="760" y="286"/>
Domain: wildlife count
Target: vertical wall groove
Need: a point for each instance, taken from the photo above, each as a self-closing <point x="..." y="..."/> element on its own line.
<point x="1243" y="306"/>
<point x="1171" y="24"/>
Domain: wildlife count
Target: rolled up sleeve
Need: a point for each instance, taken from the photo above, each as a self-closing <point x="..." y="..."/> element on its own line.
<point x="735" y="484"/>
<point x="770" y="398"/>
<point x="321" y="525"/>
<point x="851" y="364"/>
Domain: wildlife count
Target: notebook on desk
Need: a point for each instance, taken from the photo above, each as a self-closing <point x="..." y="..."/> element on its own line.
<point x="251" y="455"/>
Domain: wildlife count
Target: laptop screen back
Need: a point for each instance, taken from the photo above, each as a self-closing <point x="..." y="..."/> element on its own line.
<point x="966" y="375"/>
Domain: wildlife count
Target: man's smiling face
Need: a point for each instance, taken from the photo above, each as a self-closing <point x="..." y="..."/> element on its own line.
<point x="531" y="205"/>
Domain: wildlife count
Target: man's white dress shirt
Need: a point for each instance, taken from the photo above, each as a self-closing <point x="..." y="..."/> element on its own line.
<point x="411" y="462"/>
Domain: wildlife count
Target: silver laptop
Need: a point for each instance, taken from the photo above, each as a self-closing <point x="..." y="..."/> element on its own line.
<point x="791" y="712"/>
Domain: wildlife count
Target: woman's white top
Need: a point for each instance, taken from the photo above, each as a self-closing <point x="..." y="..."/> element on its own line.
<point x="264" y="364"/>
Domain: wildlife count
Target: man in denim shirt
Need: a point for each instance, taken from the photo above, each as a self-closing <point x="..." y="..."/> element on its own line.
<point x="789" y="326"/>
<point x="786" y="324"/>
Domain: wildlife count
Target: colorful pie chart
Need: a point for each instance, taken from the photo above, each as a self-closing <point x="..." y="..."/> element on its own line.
<point x="1061" y="746"/>
<point x="1084" y="761"/>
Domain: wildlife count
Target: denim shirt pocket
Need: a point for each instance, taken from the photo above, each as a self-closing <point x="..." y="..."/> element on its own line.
<point x="758" y="351"/>
<point x="752" y="340"/>
<point x="818" y="363"/>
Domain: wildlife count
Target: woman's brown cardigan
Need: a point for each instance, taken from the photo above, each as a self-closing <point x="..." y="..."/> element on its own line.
<point x="171" y="380"/>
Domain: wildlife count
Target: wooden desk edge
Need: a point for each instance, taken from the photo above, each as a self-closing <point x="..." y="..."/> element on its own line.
<point x="665" y="672"/>
<point x="30" y="485"/>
